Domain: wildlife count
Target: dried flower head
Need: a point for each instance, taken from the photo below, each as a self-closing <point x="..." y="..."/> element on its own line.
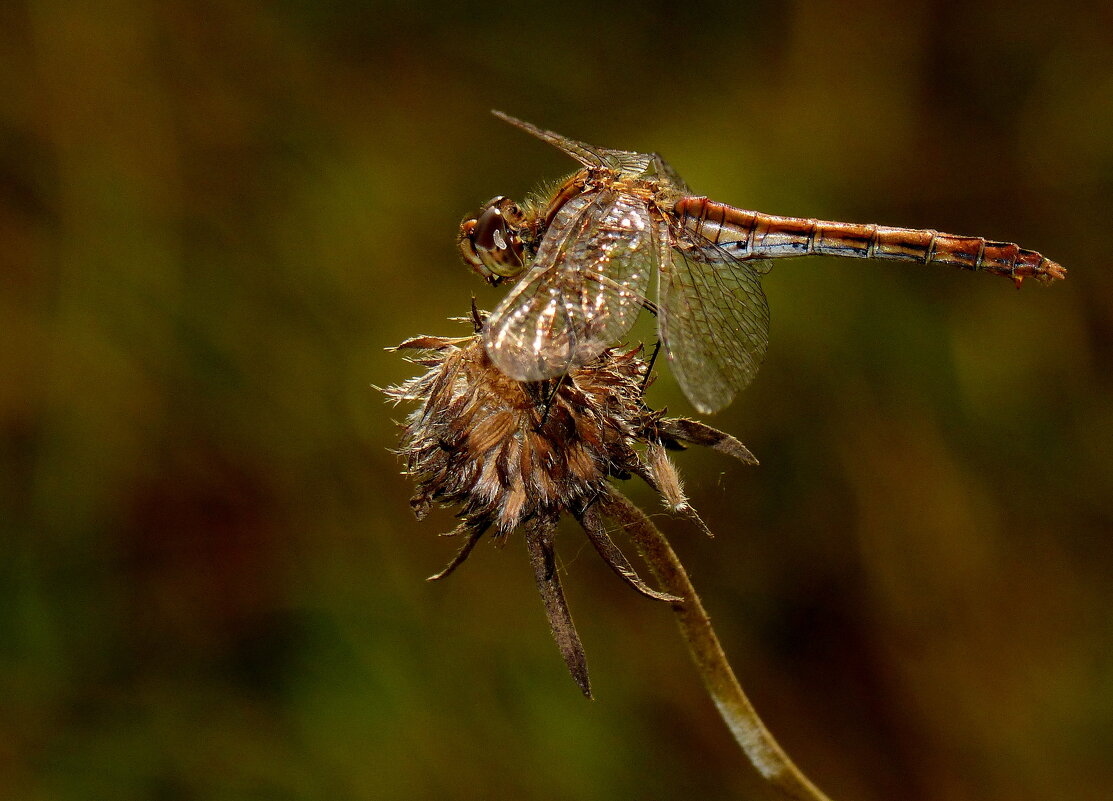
<point x="519" y="455"/>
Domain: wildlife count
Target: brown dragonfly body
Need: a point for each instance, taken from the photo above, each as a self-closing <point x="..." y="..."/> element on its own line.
<point x="585" y="255"/>
<point x="753" y="235"/>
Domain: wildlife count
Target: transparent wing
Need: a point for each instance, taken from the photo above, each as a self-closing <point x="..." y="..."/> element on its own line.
<point x="714" y="319"/>
<point x="667" y="174"/>
<point x="584" y="290"/>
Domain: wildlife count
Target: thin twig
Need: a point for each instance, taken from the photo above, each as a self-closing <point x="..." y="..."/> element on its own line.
<point x="783" y="778"/>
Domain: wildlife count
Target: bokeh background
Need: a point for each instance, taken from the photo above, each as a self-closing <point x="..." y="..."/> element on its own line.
<point x="214" y="217"/>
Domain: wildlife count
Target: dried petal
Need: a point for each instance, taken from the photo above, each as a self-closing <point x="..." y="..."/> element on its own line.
<point x="697" y="433"/>
<point x="462" y="554"/>
<point x="668" y="483"/>
<point x="616" y="561"/>
<point x="539" y="542"/>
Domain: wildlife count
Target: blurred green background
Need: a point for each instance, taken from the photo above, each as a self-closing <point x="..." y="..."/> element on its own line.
<point x="215" y="216"/>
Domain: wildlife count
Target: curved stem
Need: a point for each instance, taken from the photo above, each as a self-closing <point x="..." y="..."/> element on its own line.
<point x="782" y="777"/>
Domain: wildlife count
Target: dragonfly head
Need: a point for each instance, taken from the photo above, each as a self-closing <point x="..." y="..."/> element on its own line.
<point x="491" y="243"/>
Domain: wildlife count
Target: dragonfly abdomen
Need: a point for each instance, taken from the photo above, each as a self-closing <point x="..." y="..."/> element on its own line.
<point x="753" y="235"/>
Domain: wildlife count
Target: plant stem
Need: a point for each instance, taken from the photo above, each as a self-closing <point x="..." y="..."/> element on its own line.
<point x="781" y="776"/>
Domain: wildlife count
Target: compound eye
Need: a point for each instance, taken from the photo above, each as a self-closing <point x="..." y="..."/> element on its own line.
<point x="490" y="230"/>
<point x="497" y="243"/>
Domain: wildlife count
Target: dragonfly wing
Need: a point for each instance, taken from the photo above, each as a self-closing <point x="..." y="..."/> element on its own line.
<point x="666" y="173"/>
<point x="714" y="320"/>
<point x="583" y="292"/>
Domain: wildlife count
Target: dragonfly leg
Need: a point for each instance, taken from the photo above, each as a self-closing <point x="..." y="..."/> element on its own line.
<point x="548" y="405"/>
<point x="649" y="367"/>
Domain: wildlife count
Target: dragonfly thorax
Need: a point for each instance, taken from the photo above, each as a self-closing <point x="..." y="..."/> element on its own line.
<point x="493" y="243"/>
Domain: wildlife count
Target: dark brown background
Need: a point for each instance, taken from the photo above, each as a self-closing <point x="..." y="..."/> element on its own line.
<point x="213" y="219"/>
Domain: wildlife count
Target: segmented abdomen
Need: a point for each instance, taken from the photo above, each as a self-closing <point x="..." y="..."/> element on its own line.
<point x="753" y="235"/>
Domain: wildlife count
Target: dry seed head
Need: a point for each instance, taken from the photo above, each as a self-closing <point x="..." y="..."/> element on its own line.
<point x="516" y="454"/>
<point x="508" y="451"/>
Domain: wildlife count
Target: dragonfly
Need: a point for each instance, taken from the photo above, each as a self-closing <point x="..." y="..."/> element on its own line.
<point x="583" y="256"/>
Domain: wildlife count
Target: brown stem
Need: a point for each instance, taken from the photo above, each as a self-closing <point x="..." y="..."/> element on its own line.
<point x="782" y="777"/>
